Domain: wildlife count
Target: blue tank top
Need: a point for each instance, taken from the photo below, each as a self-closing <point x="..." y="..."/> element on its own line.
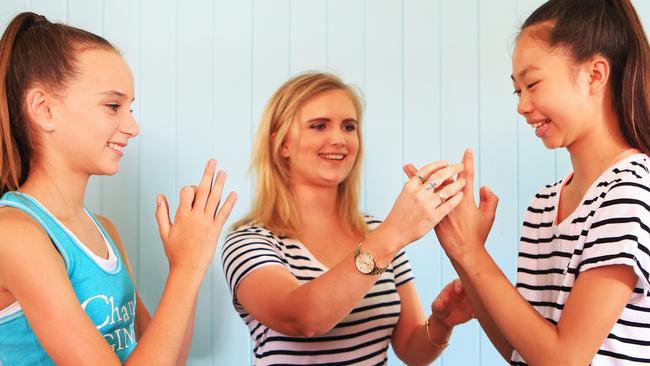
<point x="107" y="296"/>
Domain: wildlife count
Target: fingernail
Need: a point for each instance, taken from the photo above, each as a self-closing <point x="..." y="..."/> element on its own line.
<point x="158" y="201"/>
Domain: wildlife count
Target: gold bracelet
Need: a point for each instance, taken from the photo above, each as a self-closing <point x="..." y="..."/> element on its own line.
<point x="440" y="346"/>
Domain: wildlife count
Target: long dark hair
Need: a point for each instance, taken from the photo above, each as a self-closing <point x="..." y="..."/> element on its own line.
<point x="33" y="51"/>
<point x="610" y="28"/>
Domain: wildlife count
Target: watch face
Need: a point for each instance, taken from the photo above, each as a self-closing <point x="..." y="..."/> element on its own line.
<point x="365" y="262"/>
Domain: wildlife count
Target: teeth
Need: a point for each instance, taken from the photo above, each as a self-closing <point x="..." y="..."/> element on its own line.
<point x="539" y="124"/>
<point x="333" y="156"/>
<point x="115" y="146"/>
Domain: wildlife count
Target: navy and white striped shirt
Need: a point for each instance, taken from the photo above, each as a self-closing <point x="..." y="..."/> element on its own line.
<point x="362" y="337"/>
<point x="611" y="226"/>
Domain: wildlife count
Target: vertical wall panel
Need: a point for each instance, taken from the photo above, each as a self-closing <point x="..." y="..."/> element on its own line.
<point x="496" y="158"/>
<point x="383" y="132"/>
<point x="460" y="118"/>
<point x="308" y="32"/>
<point x="232" y="147"/>
<point x="270" y="50"/>
<point x="157" y="139"/>
<point x="421" y="98"/>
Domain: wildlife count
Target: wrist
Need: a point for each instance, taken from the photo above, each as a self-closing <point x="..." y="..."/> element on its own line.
<point x="438" y="332"/>
<point x="472" y="257"/>
<point x="382" y="245"/>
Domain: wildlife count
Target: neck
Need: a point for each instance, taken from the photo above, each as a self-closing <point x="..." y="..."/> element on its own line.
<point x="594" y="153"/>
<point x="316" y="205"/>
<point x="60" y="190"/>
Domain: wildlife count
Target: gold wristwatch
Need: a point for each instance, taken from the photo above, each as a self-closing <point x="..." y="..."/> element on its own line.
<point x="365" y="262"/>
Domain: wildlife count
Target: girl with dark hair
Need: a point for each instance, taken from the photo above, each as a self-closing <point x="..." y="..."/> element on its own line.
<point x="581" y="71"/>
<point x="67" y="294"/>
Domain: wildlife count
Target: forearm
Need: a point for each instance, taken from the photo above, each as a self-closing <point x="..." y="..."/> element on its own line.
<point x="422" y="349"/>
<point x="187" y="338"/>
<point x="483" y="316"/>
<point x="536" y="339"/>
<point x="161" y="343"/>
<point x="317" y="306"/>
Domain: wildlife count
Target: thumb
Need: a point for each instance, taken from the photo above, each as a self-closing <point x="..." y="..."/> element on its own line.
<point x="162" y="216"/>
<point x="489" y="202"/>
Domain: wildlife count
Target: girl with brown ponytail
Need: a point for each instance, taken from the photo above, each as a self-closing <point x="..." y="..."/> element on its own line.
<point x="581" y="71"/>
<point x="67" y="294"/>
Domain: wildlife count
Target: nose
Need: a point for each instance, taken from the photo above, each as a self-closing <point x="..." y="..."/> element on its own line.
<point x="336" y="137"/>
<point x="524" y="107"/>
<point x="130" y="127"/>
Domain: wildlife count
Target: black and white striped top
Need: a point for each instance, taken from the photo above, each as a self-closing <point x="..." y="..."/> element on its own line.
<point x="611" y="226"/>
<point x="361" y="338"/>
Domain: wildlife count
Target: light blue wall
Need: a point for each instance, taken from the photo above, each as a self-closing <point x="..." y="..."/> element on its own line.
<point x="435" y="75"/>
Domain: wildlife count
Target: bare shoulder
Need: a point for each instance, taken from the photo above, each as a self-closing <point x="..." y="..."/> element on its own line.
<point x="24" y="245"/>
<point x="18" y="226"/>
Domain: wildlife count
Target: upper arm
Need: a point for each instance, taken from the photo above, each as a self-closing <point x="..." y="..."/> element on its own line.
<point x="594" y="305"/>
<point x="263" y="294"/>
<point x="35" y="274"/>
<point x="411" y="317"/>
<point x="142" y="316"/>
<point x="258" y="280"/>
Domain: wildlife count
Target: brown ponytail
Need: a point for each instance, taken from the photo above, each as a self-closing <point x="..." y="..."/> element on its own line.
<point x="610" y="28"/>
<point x="33" y="51"/>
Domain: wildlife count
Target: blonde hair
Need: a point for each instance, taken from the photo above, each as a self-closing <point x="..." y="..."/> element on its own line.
<point x="274" y="205"/>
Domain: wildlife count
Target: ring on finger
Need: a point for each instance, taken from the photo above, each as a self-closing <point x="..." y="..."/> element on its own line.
<point x="431" y="185"/>
<point x="420" y="177"/>
<point x="441" y="195"/>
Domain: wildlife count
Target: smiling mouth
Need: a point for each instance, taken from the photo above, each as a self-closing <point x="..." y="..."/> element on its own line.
<point x="539" y="124"/>
<point x="116" y="147"/>
<point x="332" y="156"/>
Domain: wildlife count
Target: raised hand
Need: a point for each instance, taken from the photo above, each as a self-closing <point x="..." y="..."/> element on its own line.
<point x="468" y="225"/>
<point x="467" y="228"/>
<point x="190" y="242"/>
<point x="451" y="306"/>
<point x="419" y="207"/>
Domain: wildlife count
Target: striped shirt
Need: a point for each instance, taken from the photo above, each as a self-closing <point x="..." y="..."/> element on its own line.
<point x="611" y="226"/>
<point x="361" y="338"/>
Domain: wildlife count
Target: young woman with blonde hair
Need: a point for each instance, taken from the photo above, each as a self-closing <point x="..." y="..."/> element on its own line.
<point x="315" y="280"/>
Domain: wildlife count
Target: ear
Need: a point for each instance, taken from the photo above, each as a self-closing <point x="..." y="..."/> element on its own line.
<point x="284" y="149"/>
<point x="38" y="103"/>
<point x="598" y="74"/>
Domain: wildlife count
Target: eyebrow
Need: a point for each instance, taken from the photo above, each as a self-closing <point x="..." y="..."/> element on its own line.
<point x="115" y="93"/>
<point x="524" y="71"/>
<point x="326" y="119"/>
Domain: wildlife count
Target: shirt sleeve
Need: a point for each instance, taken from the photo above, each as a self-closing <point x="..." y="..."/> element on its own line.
<point x="619" y="233"/>
<point x="246" y="250"/>
<point x="402" y="269"/>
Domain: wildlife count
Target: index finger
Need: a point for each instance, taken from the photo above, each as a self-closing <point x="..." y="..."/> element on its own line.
<point x="468" y="173"/>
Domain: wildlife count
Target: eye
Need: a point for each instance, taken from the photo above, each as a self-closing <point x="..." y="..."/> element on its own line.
<point x="318" y="126"/>
<point x="113" y="107"/>
<point x="350" y="126"/>
<point x="530" y="86"/>
<point x="517" y="92"/>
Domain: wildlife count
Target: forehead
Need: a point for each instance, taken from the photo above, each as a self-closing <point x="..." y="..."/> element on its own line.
<point x="334" y="102"/>
<point x="534" y="53"/>
<point x="103" y="70"/>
